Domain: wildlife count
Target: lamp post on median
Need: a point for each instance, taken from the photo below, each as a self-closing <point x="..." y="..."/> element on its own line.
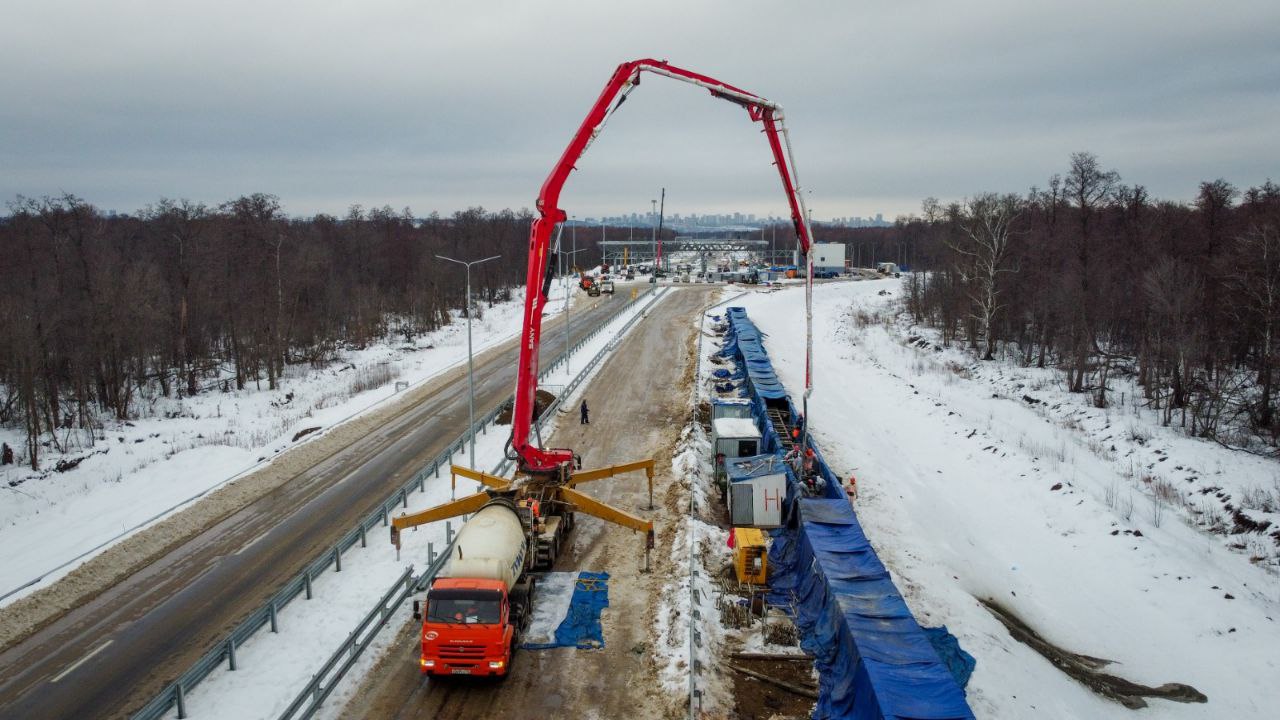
<point x="471" y="378"/>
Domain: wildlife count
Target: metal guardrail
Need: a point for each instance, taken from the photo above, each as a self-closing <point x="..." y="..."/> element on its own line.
<point x="174" y="694"/>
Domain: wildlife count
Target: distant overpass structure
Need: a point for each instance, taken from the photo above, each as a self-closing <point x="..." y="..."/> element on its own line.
<point x="641" y="252"/>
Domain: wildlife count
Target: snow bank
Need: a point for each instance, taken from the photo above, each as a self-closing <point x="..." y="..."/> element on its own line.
<point x="970" y="492"/>
<point x="133" y="472"/>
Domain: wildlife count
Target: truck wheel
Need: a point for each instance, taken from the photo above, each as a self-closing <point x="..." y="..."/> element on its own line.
<point x="511" y="658"/>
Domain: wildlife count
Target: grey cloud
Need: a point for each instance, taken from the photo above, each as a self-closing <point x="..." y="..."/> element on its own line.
<point x="445" y="105"/>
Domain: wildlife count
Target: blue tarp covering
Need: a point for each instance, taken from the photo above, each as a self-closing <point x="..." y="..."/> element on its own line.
<point x="959" y="662"/>
<point x="874" y="661"/>
<point x="580" y="627"/>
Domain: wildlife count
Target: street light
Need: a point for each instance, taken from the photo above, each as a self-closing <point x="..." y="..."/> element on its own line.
<point x="471" y="378"/>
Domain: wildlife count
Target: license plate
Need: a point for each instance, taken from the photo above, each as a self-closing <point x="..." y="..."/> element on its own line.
<point x="461" y="671"/>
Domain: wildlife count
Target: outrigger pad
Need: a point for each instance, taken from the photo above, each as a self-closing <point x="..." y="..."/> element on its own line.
<point x="566" y="611"/>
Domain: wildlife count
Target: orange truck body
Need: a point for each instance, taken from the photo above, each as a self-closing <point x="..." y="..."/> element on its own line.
<point x="458" y="644"/>
<point x="480" y="605"/>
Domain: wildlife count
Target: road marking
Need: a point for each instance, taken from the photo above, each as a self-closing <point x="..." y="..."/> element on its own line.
<point x="249" y="544"/>
<point x="81" y="661"/>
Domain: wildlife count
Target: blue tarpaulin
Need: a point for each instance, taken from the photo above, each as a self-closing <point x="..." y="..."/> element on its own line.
<point x="576" y="622"/>
<point x="959" y="662"/>
<point x="874" y="661"/>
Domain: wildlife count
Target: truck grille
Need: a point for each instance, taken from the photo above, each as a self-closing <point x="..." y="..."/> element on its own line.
<point x="461" y="651"/>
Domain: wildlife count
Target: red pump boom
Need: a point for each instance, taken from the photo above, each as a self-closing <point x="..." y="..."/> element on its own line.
<point x="535" y="460"/>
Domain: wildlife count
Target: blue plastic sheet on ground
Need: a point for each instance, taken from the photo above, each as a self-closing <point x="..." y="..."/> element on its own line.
<point x="873" y="659"/>
<point x="580" y="627"/>
<point x="959" y="662"/>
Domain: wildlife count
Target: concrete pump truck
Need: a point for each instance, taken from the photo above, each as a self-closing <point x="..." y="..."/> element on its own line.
<point x="478" y="606"/>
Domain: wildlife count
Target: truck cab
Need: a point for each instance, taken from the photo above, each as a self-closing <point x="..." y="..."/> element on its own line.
<point x="472" y="626"/>
<point x="468" y="628"/>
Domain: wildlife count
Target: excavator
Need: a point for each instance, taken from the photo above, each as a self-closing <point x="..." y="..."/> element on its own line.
<point x="547" y="478"/>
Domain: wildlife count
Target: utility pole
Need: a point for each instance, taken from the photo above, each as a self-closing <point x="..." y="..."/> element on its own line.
<point x="662" y="206"/>
<point x="471" y="368"/>
<point x="653" y="218"/>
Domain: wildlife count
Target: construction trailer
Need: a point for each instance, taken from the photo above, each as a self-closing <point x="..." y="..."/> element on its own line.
<point x="828" y="256"/>
<point x="735" y="437"/>
<point x="757" y="485"/>
<point x="730" y="409"/>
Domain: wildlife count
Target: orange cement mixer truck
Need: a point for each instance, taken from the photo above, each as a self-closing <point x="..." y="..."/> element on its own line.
<point x="479" y="606"/>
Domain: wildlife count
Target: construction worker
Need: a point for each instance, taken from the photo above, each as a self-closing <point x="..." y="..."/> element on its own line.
<point x="584" y="411"/>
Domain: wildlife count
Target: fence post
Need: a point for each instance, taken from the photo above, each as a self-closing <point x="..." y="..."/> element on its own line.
<point x="363" y="542"/>
<point x="275" y="627"/>
<point x="384" y="516"/>
<point x="431" y="552"/>
<point x="435" y="468"/>
<point x="181" y="699"/>
<point x="404" y="498"/>
<point x="306" y="577"/>
<point x="231" y="653"/>
<point x="448" y="532"/>
<point x="337" y="559"/>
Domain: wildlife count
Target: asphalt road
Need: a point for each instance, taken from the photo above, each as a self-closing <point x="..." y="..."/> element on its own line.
<point x="109" y="656"/>
<point x="639" y="402"/>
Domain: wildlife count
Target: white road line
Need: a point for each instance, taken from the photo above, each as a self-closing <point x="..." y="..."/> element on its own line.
<point x="249" y="544"/>
<point x="81" y="661"/>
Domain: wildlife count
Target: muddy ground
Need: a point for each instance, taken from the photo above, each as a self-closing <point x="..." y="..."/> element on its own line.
<point x="640" y="403"/>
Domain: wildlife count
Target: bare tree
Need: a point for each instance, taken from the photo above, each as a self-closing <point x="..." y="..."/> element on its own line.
<point x="1257" y="255"/>
<point x="986" y="221"/>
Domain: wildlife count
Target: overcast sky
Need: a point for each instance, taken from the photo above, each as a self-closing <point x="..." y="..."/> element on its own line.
<point x="445" y="105"/>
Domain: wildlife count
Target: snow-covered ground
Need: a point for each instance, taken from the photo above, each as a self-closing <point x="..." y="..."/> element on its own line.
<point x="180" y="449"/>
<point x="276" y="667"/>
<point x="1088" y="524"/>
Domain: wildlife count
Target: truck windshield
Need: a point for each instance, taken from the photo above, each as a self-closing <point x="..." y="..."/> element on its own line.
<point x="469" y="607"/>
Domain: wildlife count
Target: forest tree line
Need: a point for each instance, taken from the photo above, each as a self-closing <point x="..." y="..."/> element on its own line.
<point x="1096" y="278"/>
<point x="97" y="309"/>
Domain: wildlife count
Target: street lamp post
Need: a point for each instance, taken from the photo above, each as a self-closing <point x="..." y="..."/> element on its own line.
<point x="471" y="378"/>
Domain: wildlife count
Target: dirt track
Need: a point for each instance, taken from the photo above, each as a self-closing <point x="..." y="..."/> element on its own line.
<point x="639" y="402"/>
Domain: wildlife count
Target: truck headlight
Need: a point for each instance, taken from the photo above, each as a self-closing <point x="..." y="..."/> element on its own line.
<point x="495" y="665"/>
<point x="428" y="663"/>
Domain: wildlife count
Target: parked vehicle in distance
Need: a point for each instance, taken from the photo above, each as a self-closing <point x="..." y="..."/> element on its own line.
<point x="594" y="290"/>
<point x="606" y="286"/>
